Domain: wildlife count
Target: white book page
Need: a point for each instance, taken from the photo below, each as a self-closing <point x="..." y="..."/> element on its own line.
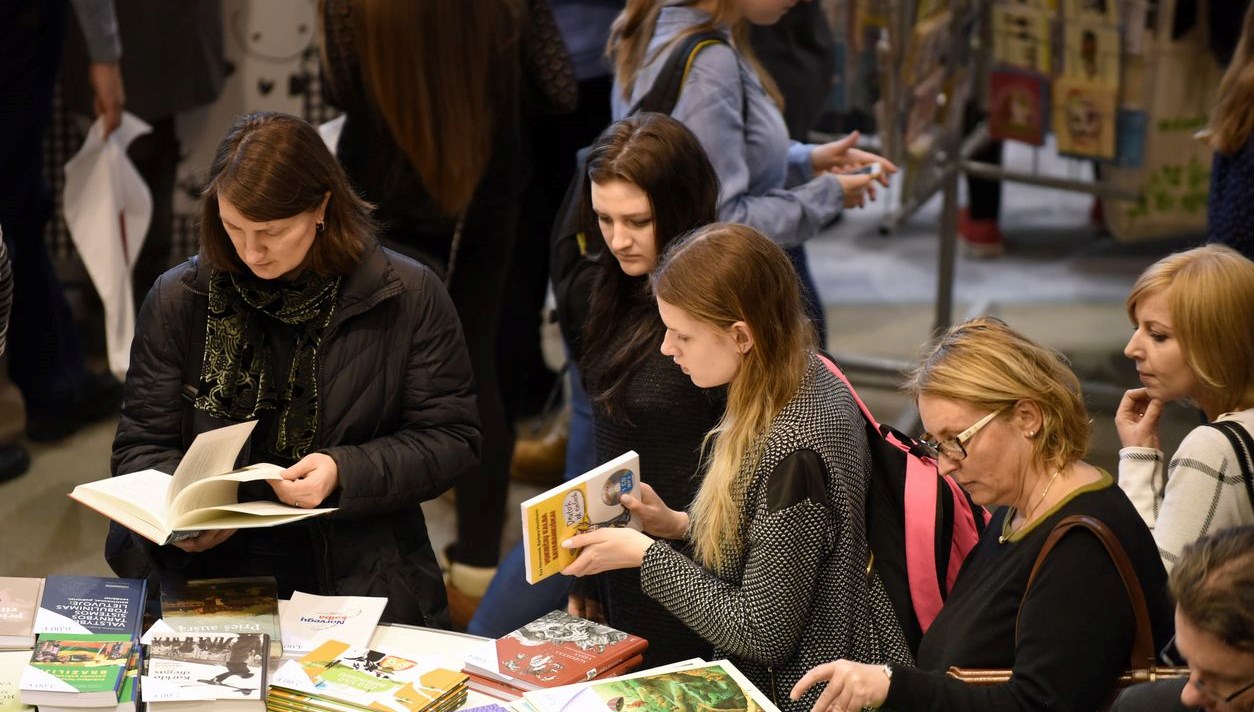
<point x="245" y="515"/>
<point x="212" y="453"/>
<point x="140" y="494"/>
<point x="217" y="490"/>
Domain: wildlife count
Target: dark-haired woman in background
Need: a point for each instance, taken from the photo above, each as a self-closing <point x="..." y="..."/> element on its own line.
<point x="347" y="355"/>
<point x="435" y="92"/>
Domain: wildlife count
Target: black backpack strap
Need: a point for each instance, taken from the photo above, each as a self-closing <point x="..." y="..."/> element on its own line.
<point x="664" y="93"/>
<point x="1243" y="446"/>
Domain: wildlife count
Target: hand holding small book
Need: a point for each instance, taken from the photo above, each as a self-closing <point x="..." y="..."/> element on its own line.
<point x="608" y="549"/>
<point x="657" y="519"/>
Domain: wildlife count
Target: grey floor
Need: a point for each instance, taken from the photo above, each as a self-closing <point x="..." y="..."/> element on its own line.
<point x="1059" y="283"/>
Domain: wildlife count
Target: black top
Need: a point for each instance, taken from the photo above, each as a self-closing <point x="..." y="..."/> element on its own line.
<point x="1076" y="627"/>
<point x="666" y="418"/>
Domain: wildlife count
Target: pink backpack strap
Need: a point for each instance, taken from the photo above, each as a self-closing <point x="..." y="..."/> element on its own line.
<point x="922" y="485"/>
<point x="965" y="533"/>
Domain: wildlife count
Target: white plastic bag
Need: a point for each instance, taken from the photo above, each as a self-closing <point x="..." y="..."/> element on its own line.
<point x="108" y="208"/>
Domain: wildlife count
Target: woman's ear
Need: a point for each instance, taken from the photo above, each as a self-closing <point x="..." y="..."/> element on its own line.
<point x="1028" y="418"/>
<point x="322" y="209"/>
<point x="742" y="336"/>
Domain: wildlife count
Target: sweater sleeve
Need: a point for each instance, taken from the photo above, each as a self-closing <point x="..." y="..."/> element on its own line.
<point x="100" y="29"/>
<point x="1202" y="493"/>
<point x="1075" y="636"/>
<point x="763" y="617"/>
<point x="1142" y="478"/>
<point x="712" y="105"/>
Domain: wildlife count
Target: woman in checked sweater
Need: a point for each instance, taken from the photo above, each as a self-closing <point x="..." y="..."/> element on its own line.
<point x="778" y="577"/>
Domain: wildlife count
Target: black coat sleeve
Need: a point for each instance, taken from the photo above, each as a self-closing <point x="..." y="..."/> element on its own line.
<point x="1075" y="636"/>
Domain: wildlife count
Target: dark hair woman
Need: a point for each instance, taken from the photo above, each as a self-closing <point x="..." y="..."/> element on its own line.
<point x="347" y="355"/>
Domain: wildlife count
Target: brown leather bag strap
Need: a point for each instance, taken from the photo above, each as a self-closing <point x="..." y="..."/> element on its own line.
<point x="1143" y="656"/>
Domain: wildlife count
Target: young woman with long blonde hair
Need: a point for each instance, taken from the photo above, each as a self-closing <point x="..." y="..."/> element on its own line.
<point x="778" y="578"/>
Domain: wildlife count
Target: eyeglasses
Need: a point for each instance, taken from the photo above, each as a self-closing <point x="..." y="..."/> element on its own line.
<point x="955" y="448"/>
<point x="1214" y="696"/>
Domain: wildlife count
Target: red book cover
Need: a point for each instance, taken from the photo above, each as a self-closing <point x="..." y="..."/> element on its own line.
<point x="553" y="650"/>
<point x="508" y="693"/>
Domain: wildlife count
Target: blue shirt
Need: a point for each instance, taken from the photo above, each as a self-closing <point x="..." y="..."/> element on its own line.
<point x="585" y="28"/>
<point x="1230" y="206"/>
<point x="766" y="179"/>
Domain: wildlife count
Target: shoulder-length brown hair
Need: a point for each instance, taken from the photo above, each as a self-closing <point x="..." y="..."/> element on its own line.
<point x="441" y="73"/>
<point x="664" y="159"/>
<point x="1232" y="124"/>
<point x="273" y="166"/>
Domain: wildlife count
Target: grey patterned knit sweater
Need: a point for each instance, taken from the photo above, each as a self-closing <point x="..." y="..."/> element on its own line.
<point x="795" y="594"/>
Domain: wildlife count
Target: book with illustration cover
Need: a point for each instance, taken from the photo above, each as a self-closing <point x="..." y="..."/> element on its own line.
<point x="202" y="494"/>
<point x="308" y="621"/>
<point x="91" y="604"/>
<point x="224" y="605"/>
<point x="508" y="693"/>
<point x="76" y="670"/>
<point x="219" y="671"/>
<point x="372" y="679"/>
<point x="19" y="602"/>
<point x="587" y="502"/>
<point x="691" y="685"/>
<point x="553" y="650"/>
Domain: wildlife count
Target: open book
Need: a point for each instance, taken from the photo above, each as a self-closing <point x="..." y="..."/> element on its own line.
<point x="203" y="492"/>
<point x="590" y="501"/>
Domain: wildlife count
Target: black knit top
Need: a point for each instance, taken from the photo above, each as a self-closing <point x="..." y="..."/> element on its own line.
<point x="665" y="420"/>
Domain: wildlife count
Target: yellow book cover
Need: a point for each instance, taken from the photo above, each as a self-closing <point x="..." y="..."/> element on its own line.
<point x="587" y="502"/>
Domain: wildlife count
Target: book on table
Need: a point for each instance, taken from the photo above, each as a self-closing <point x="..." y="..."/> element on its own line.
<point x="202" y="494"/>
<point x="692" y="685"/>
<point x="337" y="676"/>
<point x="19" y="602"/>
<point x="218" y="671"/>
<point x="224" y="605"/>
<point x="91" y="604"/>
<point x="70" y="670"/>
<point x="308" y="620"/>
<point x="587" y="502"/>
<point x="128" y="694"/>
<point x="553" y="650"/>
<point x="12" y="663"/>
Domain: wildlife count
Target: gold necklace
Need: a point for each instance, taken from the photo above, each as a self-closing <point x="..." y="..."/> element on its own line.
<point x="1006" y="531"/>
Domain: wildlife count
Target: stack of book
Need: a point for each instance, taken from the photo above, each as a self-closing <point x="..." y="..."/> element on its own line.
<point x="225" y="672"/>
<point x="19" y="601"/>
<point x="87" y="652"/>
<point x="553" y="650"/>
<point x="689" y="685"/>
<point x="336" y="677"/>
<point x="308" y="620"/>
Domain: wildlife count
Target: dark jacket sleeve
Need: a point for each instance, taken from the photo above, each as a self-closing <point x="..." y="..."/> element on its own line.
<point x="439" y="436"/>
<point x="1075" y="636"/>
<point x="150" y="429"/>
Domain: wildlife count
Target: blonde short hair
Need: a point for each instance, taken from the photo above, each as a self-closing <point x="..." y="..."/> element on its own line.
<point x="1210" y="294"/>
<point x="985" y="363"/>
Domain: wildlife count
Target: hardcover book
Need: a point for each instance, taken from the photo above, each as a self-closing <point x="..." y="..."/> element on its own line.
<point x="76" y="670"/>
<point x="308" y="621"/>
<point x="553" y="650"/>
<point x="19" y="602"/>
<point x="203" y="492"/>
<point x="370" y="679"/>
<point x="508" y="693"/>
<point x="686" y="686"/>
<point x="587" y="502"/>
<point x="224" y="605"/>
<point x="220" y="671"/>
<point x="91" y="604"/>
<point x="128" y="695"/>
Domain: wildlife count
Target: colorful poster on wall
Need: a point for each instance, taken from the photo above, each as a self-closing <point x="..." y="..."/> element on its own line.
<point x="1018" y="106"/>
<point x="1084" y="118"/>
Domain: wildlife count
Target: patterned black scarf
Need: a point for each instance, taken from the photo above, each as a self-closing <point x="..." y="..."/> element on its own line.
<point x="236" y="382"/>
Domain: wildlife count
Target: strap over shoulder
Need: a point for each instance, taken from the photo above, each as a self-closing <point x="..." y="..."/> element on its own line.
<point x="664" y="93"/>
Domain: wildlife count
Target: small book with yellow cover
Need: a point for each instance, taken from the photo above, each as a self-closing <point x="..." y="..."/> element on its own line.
<point x="590" y="501"/>
<point x="337" y="675"/>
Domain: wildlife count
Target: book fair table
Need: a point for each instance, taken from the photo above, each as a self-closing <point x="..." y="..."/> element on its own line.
<point x="448" y="644"/>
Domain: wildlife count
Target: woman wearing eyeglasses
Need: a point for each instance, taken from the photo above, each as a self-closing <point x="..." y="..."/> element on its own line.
<point x="1006" y="419"/>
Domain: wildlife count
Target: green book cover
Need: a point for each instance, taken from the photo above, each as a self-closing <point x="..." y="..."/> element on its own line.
<point x="78" y="663"/>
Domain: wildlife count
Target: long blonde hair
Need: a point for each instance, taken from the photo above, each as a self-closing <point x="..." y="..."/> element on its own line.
<point x="719" y="275"/>
<point x="413" y="53"/>
<point x="1233" y="122"/>
<point x="1210" y="295"/>
<point x="633" y="30"/>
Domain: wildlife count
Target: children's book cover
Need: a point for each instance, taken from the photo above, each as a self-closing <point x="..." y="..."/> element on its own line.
<point x="706" y="686"/>
<point x="1018" y="106"/>
<point x="588" y="502"/>
<point x="372" y="679"/>
<point x="91" y="604"/>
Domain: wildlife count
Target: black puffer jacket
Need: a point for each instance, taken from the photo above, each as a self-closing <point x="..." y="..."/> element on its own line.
<point x="397" y="414"/>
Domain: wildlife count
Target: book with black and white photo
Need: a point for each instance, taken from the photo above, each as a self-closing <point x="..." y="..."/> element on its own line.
<point x="218" y="671"/>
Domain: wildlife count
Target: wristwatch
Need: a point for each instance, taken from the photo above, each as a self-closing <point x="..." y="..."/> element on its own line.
<point x="888" y="671"/>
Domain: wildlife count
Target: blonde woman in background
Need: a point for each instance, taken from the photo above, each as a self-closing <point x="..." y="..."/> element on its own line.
<point x="778" y="580"/>
<point x="1194" y="340"/>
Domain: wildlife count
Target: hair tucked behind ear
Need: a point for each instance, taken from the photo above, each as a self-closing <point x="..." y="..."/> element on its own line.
<point x="719" y="275"/>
